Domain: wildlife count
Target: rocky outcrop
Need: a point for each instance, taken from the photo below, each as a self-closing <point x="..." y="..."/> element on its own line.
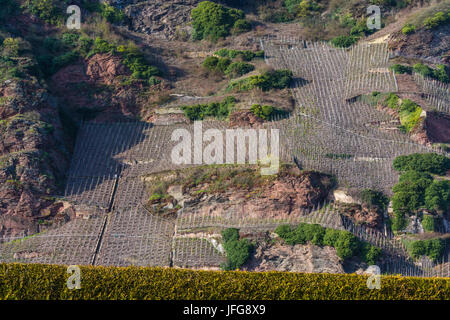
<point x="282" y="197"/>
<point x="298" y="258"/>
<point x="430" y="45"/>
<point x="33" y="157"/>
<point x="361" y="214"/>
<point x="93" y="89"/>
<point x="241" y="119"/>
<point x="165" y="19"/>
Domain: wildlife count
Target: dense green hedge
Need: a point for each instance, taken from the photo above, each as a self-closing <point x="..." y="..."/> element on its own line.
<point x="425" y="162"/>
<point x="34" y="281"/>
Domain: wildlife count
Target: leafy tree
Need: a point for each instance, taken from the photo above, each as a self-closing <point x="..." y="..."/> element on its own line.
<point x="230" y="234"/>
<point x="425" y="162"/>
<point x="428" y="223"/>
<point x="423" y="69"/>
<point x="237" y="251"/>
<point x="347" y="245"/>
<point x="344" y="41"/>
<point x="213" y="21"/>
<point x="373" y="198"/>
<point x="408" y="29"/>
<point x="398" y="68"/>
<point x="437" y="195"/>
<point x="330" y="237"/>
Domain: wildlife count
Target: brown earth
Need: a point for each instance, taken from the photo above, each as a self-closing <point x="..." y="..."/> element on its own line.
<point x="360" y="214"/>
<point x="299" y="258"/>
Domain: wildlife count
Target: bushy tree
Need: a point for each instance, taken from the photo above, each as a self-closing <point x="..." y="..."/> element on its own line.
<point x="344" y="41"/>
<point x="425" y="162"/>
<point x="428" y="223"/>
<point x="237" y="251"/>
<point x="347" y="245"/>
<point x="213" y="21"/>
<point x="437" y="195"/>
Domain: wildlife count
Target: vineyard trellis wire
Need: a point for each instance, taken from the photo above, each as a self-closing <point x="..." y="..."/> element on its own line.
<point x="329" y="132"/>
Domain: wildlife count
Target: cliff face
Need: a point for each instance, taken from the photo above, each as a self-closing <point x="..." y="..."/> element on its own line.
<point x="33" y="157"/>
<point x="430" y="45"/>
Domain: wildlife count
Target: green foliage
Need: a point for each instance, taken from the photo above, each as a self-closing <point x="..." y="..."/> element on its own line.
<point x="70" y="39"/>
<point x="133" y="58"/>
<point x="373" y="198"/>
<point x="416" y="188"/>
<point x="392" y="101"/>
<point x="302" y="8"/>
<point x="10" y="47"/>
<point x="409" y="113"/>
<point x="440" y="73"/>
<point x="246" y="55"/>
<point x="230" y="234"/>
<point x="227" y="67"/>
<point x="437" y="195"/>
<point x="214" y="21"/>
<point x="278" y="79"/>
<point x="439" y="19"/>
<point x="370" y="254"/>
<point x="237" y="251"/>
<point x="428" y="223"/>
<point x="218" y="110"/>
<point x="111" y="14"/>
<point x="408" y="29"/>
<point x="433" y="248"/>
<point x="45" y="10"/>
<point x="264" y="112"/>
<point x="241" y="26"/>
<point x="346" y="244"/>
<point x="237" y="69"/>
<point x="344" y="41"/>
<point x="424" y="162"/>
<point x="64" y="60"/>
<point x="398" y="68"/>
<point x="423" y="69"/>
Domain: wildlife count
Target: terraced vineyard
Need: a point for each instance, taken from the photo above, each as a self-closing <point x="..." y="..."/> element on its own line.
<point x="329" y="131"/>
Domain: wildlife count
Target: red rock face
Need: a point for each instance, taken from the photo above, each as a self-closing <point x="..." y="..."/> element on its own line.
<point x="244" y="119"/>
<point x="369" y="217"/>
<point x="95" y="86"/>
<point x="32" y="156"/>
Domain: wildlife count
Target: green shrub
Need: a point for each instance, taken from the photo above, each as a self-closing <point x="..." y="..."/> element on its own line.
<point x="241" y="26"/>
<point x="45" y="10"/>
<point x="433" y="248"/>
<point x="437" y="195"/>
<point x="237" y="69"/>
<point x="398" y="68"/>
<point x="230" y="234"/>
<point x="278" y="79"/>
<point x="111" y="14"/>
<point x="64" y="60"/>
<point x="70" y="39"/>
<point x="10" y="47"/>
<point x="423" y="69"/>
<point x="237" y="251"/>
<point x="347" y="245"/>
<point x="408" y="29"/>
<point x="392" y="101"/>
<point x="369" y="253"/>
<point x="428" y="223"/>
<point x="373" y="198"/>
<point x="344" y="41"/>
<point x="409" y="113"/>
<point x="213" y="21"/>
<point x="218" y="110"/>
<point x="330" y="237"/>
<point x="424" y="162"/>
<point x="441" y="73"/>
<point x="439" y="19"/>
